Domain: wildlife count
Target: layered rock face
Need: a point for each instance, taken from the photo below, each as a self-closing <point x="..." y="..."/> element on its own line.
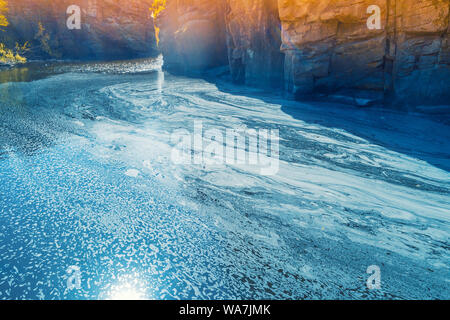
<point x="420" y="47"/>
<point x="192" y="35"/>
<point x="109" y="29"/>
<point x="318" y="46"/>
<point x="329" y="48"/>
<point x="254" y="40"/>
<point x="200" y="34"/>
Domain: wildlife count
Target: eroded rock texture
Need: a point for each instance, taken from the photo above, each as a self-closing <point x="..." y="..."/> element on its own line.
<point x="109" y="29"/>
<point x="199" y="34"/>
<point x="254" y="40"/>
<point x="192" y="35"/>
<point x="421" y="45"/>
<point x="329" y="49"/>
<point x="317" y="46"/>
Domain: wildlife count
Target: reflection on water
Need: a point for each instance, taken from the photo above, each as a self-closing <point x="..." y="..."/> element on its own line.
<point x="129" y="287"/>
<point x="39" y="70"/>
<point x="25" y="73"/>
<point x="18" y="74"/>
<point x="11" y="95"/>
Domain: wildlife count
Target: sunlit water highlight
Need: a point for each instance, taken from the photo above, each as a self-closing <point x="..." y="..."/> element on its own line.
<point x="86" y="180"/>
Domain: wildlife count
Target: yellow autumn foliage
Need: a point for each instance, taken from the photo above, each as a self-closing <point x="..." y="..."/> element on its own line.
<point x="157" y="7"/>
<point x="3" y="9"/>
<point x="10" y="56"/>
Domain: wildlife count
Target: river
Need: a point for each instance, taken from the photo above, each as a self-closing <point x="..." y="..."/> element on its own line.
<point x="93" y="205"/>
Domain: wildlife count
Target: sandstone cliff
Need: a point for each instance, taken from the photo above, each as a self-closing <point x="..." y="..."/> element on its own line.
<point x="109" y="29"/>
<point x="317" y="46"/>
<point x="192" y="35"/>
<point x="329" y="48"/>
<point x="306" y="47"/>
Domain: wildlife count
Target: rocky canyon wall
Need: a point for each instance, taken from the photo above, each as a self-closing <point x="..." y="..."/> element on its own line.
<point x="192" y="35"/>
<point x="200" y="34"/>
<point x="254" y="40"/>
<point x="109" y="29"/>
<point x="317" y="47"/>
<point x="329" y="48"/>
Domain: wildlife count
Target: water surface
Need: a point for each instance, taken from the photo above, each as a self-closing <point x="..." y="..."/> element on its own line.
<point x="86" y="180"/>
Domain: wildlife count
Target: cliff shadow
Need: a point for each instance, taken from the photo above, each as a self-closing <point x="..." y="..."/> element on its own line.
<point x="422" y="136"/>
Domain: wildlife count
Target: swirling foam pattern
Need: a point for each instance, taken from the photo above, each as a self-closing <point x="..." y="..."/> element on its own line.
<point x="86" y="180"/>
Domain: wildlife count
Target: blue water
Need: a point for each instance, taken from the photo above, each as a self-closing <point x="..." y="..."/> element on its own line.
<point x="86" y="180"/>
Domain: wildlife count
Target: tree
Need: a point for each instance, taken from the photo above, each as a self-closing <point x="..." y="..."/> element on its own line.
<point x="157" y="7"/>
<point x="8" y="56"/>
<point x="3" y="9"/>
